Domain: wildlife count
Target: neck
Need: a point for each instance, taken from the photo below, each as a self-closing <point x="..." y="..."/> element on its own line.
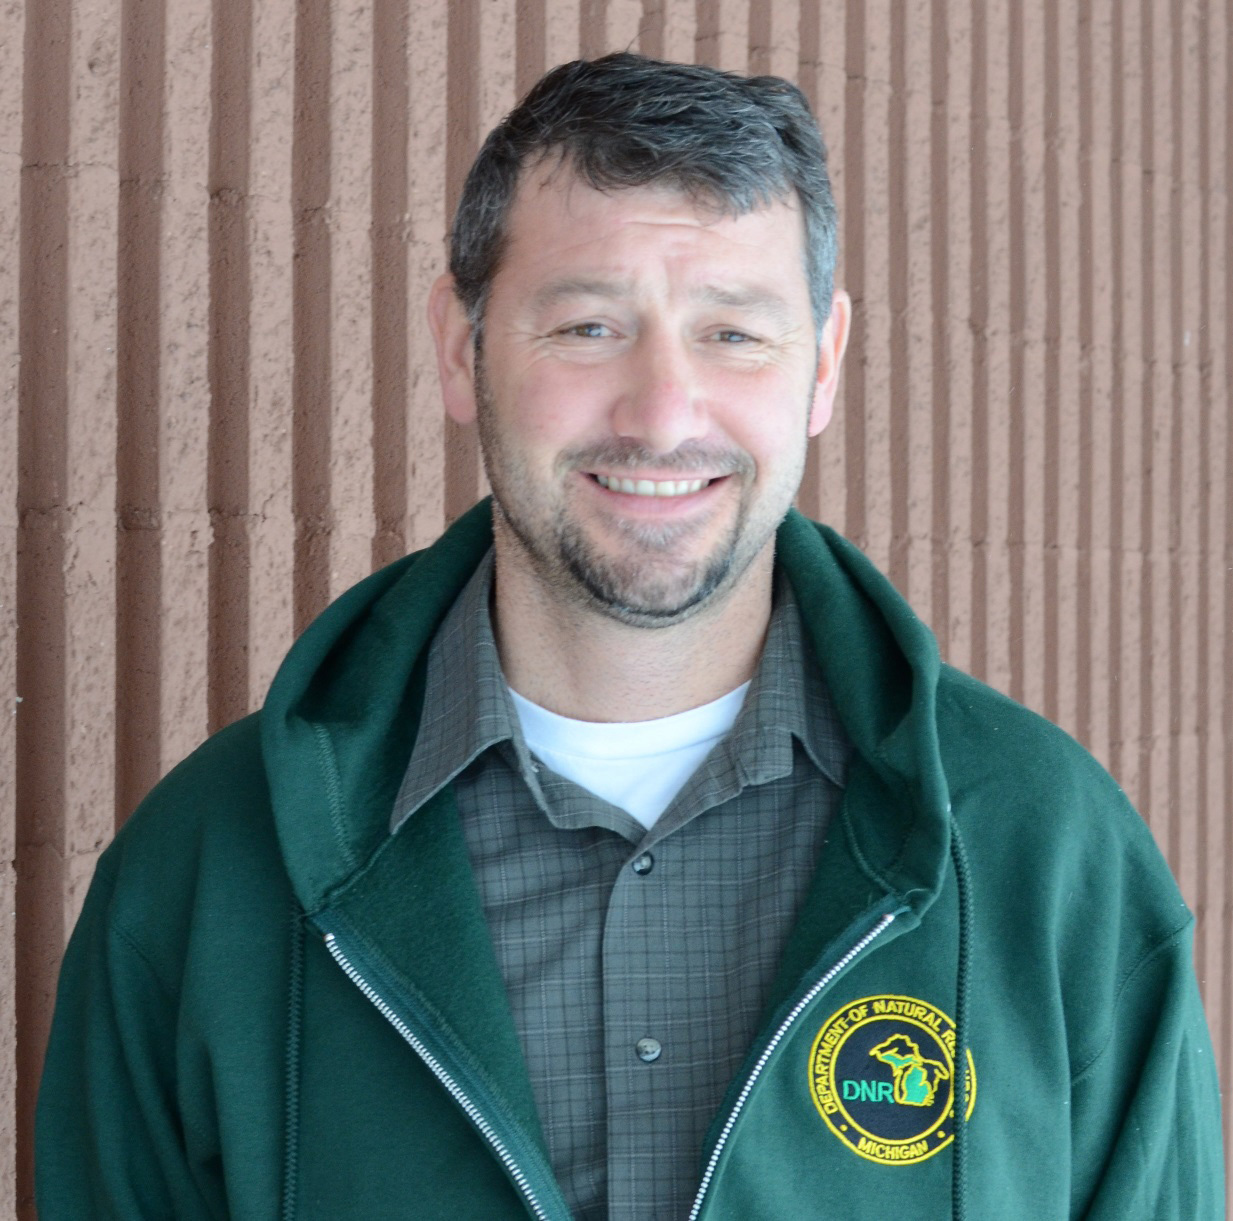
<point x="578" y="662"/>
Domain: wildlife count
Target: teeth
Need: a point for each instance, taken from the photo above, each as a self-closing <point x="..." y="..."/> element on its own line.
<point x="648" y="487"/>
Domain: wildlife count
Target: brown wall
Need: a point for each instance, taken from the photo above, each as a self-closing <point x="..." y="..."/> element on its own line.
<point x="217" y="226"/>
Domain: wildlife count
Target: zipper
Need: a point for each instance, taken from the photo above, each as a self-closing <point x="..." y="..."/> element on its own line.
<point x="438" y="1070"/>
<point x="777" y="1038"/>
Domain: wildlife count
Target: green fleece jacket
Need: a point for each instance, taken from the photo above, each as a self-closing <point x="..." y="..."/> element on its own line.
<point x="273" y="1008"/>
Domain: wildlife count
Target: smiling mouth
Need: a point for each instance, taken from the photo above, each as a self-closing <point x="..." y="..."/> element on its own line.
<point x="652" y="487"/>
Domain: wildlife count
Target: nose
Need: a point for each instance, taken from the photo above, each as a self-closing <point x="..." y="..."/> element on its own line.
<point x="659" y="402"/>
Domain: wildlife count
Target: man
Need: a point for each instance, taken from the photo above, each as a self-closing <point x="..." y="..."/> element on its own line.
<point x="629" y="853"/>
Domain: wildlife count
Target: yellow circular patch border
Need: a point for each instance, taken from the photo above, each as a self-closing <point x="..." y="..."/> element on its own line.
<point x="852" y="1017"/>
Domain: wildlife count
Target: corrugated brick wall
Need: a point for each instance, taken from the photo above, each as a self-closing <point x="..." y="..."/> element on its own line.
<point x="218" y="407"/>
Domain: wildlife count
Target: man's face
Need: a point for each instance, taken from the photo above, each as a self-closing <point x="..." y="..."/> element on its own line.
<point x="648" y="377"/>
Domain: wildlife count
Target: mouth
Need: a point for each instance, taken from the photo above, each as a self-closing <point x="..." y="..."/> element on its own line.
<point x="661" y="488"/>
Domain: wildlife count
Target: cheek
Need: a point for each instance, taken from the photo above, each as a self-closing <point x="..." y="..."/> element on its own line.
<point x="556" y="407"/>
<point x="772" y="428"/>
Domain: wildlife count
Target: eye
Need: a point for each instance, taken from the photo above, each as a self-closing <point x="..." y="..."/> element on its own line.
<point x="586" y="330"/>
<point x="733" y="338"/>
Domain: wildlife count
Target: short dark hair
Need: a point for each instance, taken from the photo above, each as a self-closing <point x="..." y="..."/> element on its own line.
<point x="627" y="121"/>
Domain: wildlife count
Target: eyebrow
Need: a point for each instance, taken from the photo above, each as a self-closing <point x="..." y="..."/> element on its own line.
<point x="744" y="298"/>
<point x="580" y="286"/>
<point x="762" y="300"/>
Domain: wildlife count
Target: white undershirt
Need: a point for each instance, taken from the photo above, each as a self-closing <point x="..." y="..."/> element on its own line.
<point x="638" y="766"/>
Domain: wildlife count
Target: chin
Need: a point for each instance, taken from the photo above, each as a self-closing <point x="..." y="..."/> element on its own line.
<point x="632" y="593"/>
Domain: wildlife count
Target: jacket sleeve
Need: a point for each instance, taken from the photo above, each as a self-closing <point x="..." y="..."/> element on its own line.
<point x="1146" y="1109"/>
<point x="109" y="1140"/>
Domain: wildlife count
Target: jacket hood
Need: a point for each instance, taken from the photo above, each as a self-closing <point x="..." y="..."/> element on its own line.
<point x="342" y="713"/>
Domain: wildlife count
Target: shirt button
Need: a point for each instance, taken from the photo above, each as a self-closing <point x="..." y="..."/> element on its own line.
<point x="648" y="1050"/>
<point x="644" y="864"/>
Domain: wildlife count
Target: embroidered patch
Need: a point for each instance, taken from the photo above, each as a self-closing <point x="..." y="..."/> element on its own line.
<point x="882" y="1075"/>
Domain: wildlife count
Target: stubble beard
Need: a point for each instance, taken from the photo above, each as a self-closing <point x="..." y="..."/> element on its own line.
<point x="629" y="588"/>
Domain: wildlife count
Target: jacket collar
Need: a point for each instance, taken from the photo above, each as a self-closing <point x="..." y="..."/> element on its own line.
<point x="343" y="711"/>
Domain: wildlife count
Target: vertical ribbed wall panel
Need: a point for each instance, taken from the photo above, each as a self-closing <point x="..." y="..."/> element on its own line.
<point x="821" y="75"/>
<point x="11" y="46"/>
<point x="952" y="233"/>
<point x="66" y="496"/>
<point x="162" y="398"/>
<point x="216" y="244"/>
<point x="1215" y="588"/>
<point x="421" y="425"/>
<point x="348" y="216"/>
<point x="994" y="482"/>
<point x="1186" y="797"/>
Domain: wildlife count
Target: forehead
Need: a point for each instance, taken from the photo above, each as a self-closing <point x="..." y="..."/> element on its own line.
<point x="558" y="221"/>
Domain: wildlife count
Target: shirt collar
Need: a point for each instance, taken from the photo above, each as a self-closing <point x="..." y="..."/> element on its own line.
<point x="467" y="708"/>
<point x="788" y="696"/>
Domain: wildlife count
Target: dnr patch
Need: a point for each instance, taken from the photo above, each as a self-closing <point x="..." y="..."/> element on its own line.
<point x="882" y="1075"/>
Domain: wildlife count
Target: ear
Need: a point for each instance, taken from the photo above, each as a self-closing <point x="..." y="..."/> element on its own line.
<point x="451" y="332"/>
<point x="831" y="348"/>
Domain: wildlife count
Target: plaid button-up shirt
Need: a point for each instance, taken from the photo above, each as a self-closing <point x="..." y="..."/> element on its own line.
<point x="637" y="962"/>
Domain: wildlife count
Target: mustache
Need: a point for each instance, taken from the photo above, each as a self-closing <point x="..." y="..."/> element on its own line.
<point x="619" y="454"/>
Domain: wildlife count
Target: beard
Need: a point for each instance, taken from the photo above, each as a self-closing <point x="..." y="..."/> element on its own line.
<point x="644" y="582"/>
<point x="643" y="574"/>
